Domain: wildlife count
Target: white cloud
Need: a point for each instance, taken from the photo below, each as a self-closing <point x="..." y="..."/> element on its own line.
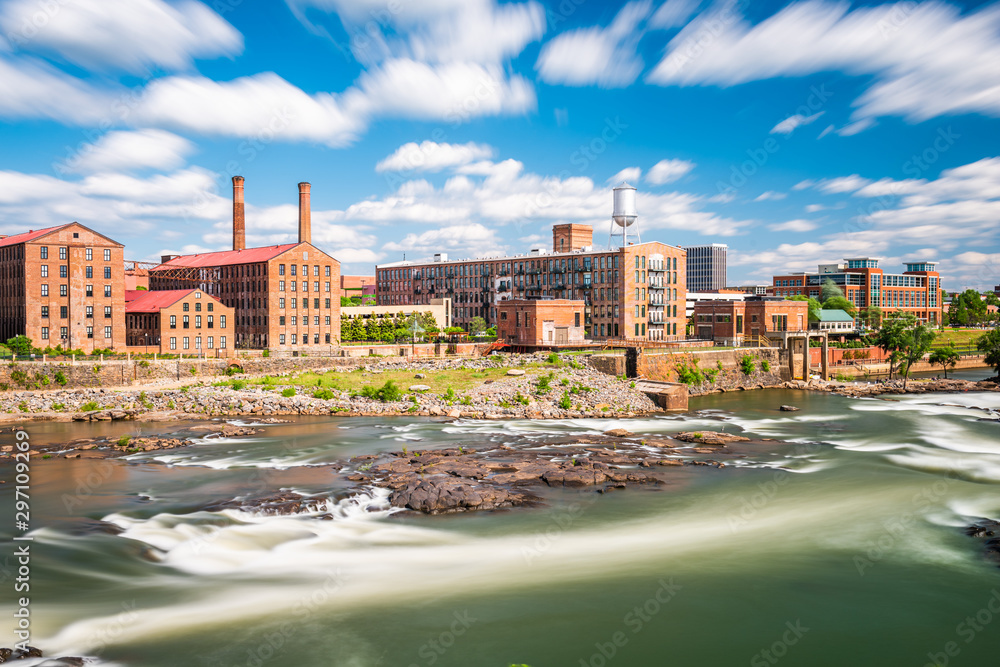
<point x="117" y="151"/>
<point x="842" y="184"/>
<point x="127" y="34"/>
<point x="628" y="174"/>
<point x="794" y="226"/>
<point x="802" y="185"/>
<point x="770" y="196"/>
<point x="474" y="240"/>
<point x="674" y="13"/>
<point x="606" y="57"/>
<point x="666" y="171"/>
<point x="814" y="208"/>
<point x="790" y="124"/>
<point x="926" y="59"/>
<point x="433" y="156"/>
<point x="827" y="130"/>
<point x="32" y="89"/>
<point x="856" y="127"/>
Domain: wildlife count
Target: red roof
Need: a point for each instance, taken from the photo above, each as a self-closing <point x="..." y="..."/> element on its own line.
<point x="227" y="257"/>
<point x="155" y="300"/>
<point x="29" y="236"/>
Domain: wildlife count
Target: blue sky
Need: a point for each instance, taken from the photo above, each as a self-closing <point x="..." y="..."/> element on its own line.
<point x="796" y="133"/>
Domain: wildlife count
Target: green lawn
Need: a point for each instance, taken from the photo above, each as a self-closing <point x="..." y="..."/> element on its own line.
<point x="458" y="379"/>
<point x="957" y="337"/>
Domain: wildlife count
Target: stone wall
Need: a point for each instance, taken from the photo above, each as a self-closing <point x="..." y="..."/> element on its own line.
<point x="666" y="367"/>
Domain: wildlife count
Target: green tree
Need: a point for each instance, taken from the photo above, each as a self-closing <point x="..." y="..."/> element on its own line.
<point x="916" y="341"/>
<point x="371" y="329"/>
<point x="477" y="325"/>
<point x="829" y="290"/>
<point x="946" y="356"/>
<point x="20" y="345"/>
<point x="840" y="303"/>
<point x="891" y="336"/>
<point x="357" y="329"/>
<point x="958" y="314"/>
<point x="990" y="344"/>
<point x="814" y="305"/>
<point x="429" y="324"/>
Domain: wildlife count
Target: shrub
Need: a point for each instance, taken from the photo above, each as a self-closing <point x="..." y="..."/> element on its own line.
<point x="690" y="374"/>
<point x="194" y="371"/>
<point x="746" y="364"/>
<point x="564" y="382"/>
<point x="565" y="403"/>
<point x="554" y="359"/>
<point x="60" y="378"/>
<point x="521" y="398"/>
<point x="388" y="392"/>
<point x="449" y="395"/>
<point x="144" y="363"/>
<point x="124" y="440"/>
<point x="543" y="384"/>
<point x="20" y="345"/>
<point x="58" y="407"/>
<point x="323" y="394"/>
<point x="171" y="405"/>
<point x="765" y="365"/>
<point x="89" y="406"/>
<point x="288" y="392"/>
<point x="233" y="370"/>
<point x="238" y="384"/>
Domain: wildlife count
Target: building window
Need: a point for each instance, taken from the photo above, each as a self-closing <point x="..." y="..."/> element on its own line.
<point x="62" y="333"/>
<point x="211" y="342"/>
<point x="281" y="339"/>
<point x="295" y="339"/>
<point x="222" y="321"/>
<point x="327" y="271"/>
<point x="45" y="333"/>
<point x="327" y="320"/>
<point x="107" y="255"/>
<point x="316" y="339"/>
<point x="107" y="332"/>
<point x="173" y="343"/>
<point x="44" y="252"/>
<point x="281" y="269"/>
<point x="210" y="306"/>
<point x="186" y="307"/>
<point x="90" y="312"/>
<point x="45" y="290"/>
<point x="294" y="285"/>
<point x="89" y="290"/>
<point x="62" y="253"/>
<point x="107" y="273"/>
<point x="45" y="270"/>
<point x="281" y="302"/>
<point x="197" y="306"/>
<point x="294" y="269"/>
<point x="90" y="254"/>
<point x="90" y="332"/>
<point x="186" y="343"/>
<point x="197" y="342"/>
<point x="89" y="272"/>
<point x="63" y="290"/>
<point x="197" y="321"/>
<point x="211" y="321"/>
<point x="294" y="301"/>
<point x="295" y="320"/>
<point x="327" y="303"/>
<point x="305" y="286"/>
<point x="281" y="320"/>
<point x="187" y="321"/>
<point x="281" y="285"/>
<point x="107" y="291"/>
<point x="222" y="342"/>
<point x="107" y="311"/>
<point x="173" y="321"/>
<point x="45" y="311"/>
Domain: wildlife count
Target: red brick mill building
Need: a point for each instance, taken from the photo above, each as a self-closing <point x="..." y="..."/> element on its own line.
<point x="63" y="286"/>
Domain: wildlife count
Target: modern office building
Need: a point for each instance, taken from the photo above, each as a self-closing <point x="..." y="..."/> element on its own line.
<point x="65" y="286"/>
<point x="637" y="291"/>
<point x="284" y="297"/>
<point x="706" y="267"/>
<point x="917" y="290"/>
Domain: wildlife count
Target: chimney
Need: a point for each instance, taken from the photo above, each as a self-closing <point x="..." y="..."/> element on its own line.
<point x="305" y="214"/>
<point x="239" y="215"/>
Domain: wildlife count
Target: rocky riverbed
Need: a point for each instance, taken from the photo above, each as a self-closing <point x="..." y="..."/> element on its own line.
<point x="578" y="391"/>
<point x="914" y="386"/>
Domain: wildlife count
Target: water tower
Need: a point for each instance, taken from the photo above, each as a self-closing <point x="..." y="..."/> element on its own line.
<point x="624" y="217"/>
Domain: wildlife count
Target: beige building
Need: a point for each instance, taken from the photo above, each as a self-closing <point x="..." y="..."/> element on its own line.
<point x="439" y="308"/>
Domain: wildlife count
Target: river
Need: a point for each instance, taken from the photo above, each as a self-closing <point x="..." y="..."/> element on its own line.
<point x="843" y="548"/>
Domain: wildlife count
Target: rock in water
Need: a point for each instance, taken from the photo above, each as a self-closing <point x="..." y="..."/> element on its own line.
<point x="988" y="531"/>
<point x="619" y="433"/>
<point x="789" y="408"/>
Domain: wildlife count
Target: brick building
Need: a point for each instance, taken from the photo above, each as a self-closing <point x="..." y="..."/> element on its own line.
<point x="541" y="322"/>
<point x="184" y="321"/>
<point x="637" y="291"/>
<point x="917" y="290"/>
<point x="732" y="321"/>
<point x="64" y="286"/>
<point x="284" y="297"/>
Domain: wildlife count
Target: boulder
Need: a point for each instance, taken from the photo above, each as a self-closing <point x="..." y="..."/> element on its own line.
<point x="515" y="371"/>
<point x="419" y="387"/>
<point x="788" y="408"/>
<point x="619" y="433"/>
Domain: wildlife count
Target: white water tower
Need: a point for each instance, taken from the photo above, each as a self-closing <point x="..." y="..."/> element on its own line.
<point x="624" y="216"/>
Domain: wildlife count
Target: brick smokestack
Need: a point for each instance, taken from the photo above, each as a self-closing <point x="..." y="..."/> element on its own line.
<point x="305" y="214"/>
<point x="239" y="215"/>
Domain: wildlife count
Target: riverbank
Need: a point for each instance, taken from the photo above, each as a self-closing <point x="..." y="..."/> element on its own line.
<point x="497" y="387"/>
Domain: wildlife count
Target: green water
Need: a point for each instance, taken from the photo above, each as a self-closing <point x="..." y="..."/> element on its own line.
<point x="840" y="546"/>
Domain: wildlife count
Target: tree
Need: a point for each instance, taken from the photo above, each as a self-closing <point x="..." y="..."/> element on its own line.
<point x="968" y="308"/>
<point x="20" y="345"/>
<point x="477" y="325"/>
<point x="829" y="290"/>
<point x="840" y="303"/>
<point x="890" y="337"/>
<point x="871" y="316"/>
<point x="814" y="305"/>
<point x="946" y="356"/>
<point x="990" y="344"/>
<point x="916" y="341"/>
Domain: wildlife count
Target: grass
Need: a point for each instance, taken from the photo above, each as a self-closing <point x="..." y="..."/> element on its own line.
<point x="957" y="337"/>
<point x="459" y="379"/>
